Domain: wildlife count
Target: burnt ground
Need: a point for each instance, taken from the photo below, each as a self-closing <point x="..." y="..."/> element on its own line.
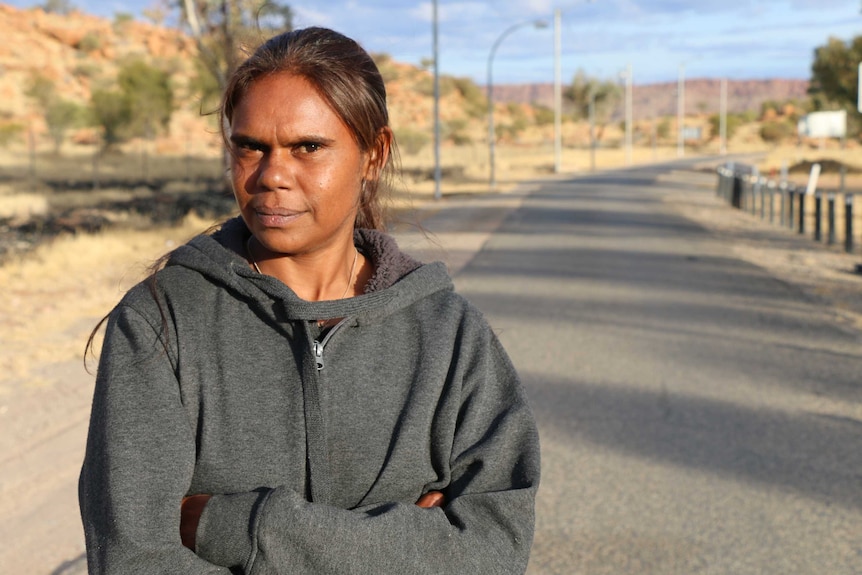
<point x="147" y="204"/>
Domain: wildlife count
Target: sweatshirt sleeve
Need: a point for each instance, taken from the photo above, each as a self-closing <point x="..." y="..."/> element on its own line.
<point x="139" y="457"/>
<point x="485" y="527"/>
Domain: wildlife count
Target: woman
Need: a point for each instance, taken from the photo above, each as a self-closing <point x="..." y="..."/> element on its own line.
<point x="293" y="394"/>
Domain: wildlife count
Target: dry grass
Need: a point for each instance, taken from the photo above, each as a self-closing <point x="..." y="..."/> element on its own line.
<point x="54" y="295"/>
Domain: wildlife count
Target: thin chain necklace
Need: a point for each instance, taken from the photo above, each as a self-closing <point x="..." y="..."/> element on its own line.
<point x="349" y="276"/>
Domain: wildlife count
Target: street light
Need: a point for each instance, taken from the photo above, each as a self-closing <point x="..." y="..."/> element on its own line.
<point x="491" y="134"/>
<point x="437" y="171"/>
<point x="680" y="113"/>
<point x="626" y="75"/>
<point x="558" y="90"/>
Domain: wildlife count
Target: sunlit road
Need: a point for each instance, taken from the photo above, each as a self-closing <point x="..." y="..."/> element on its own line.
<point x="697" y="415"/>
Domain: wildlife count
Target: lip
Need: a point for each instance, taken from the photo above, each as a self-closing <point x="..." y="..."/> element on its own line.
<point x="276" y="217"/>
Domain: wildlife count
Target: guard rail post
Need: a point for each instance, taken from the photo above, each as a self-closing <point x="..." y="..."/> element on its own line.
<point x="791" y="196"/>
<point x="736" y="195"/>
<point x="818" y="215"/>
<point x="771" y="187"/>
<point x="802" y="212"/>
<point x="782" y="188"/>
<point x="830" y="214"/>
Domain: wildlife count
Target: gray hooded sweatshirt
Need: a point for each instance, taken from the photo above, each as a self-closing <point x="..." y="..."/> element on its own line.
<point x="314" y="445"/>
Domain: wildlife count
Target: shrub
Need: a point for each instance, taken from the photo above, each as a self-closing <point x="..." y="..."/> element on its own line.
<point x="150" y="96"/>
<point x="774" y="132"/>
<point x="63" y="7"/>
<point x="544" y="115"/>
<point x="734" y="121"/>
<point x="411" y="141"/>
<point x="90" y="42"/>
<point x="110" y="111"/>
<point x="520" y="121"/>
<point x="662" y="131"/>
<point x="476" y="104"/>
<point x="60" y="116"/>
<point x="425" y="86"/>
<point x="455" y="132"/>
<point x="87" y="70"/>
<point x="9" y="132"/>
<point x="41" y="89"/>
<point x="122" y="18"/>
<point x="388" y="70"/>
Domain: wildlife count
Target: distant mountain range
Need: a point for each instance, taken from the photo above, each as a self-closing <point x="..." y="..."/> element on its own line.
<point x="701" y="95"/>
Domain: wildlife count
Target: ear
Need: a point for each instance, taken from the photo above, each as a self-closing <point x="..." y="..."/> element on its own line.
<point x="378" y="155"/>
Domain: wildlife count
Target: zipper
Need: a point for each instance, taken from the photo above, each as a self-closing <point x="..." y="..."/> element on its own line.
<point x="319" y="345"/>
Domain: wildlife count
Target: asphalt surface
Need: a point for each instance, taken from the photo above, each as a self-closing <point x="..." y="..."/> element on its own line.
<point x="697" y="415"/>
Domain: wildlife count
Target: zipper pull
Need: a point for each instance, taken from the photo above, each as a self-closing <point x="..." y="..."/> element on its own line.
<point x="318" y="354"/>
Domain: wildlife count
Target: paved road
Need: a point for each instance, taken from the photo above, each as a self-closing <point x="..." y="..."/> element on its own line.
<point x="697" y="415"/>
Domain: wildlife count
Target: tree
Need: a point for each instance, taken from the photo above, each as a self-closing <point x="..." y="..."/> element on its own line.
<point x="41" y="89"/>
<point x="63" y="7"/>
<point x="223" y="29"/>
<point x="545" y="116"/>
<point x="475" y="102"/>
<point x="733" y="122"/>
<point x="110" y="111"/>
<point x="60" y="114"/>
<point x="605" y="96"/>
<point x="149" y="97"/>
<point x="141" y="103"/>
<point x="776" y="131"/>
<point x="835" y="77"/>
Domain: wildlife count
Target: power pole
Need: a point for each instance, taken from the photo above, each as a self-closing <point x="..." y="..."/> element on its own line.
<point x="629" y="115"/>
<point x="437" y="172"/>
<point x="680" y="113"/>
<point x="723" y="116"/>
<point x="558" y="93"/>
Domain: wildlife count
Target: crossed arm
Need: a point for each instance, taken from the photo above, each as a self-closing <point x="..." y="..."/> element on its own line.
<point x="193" y="506"/>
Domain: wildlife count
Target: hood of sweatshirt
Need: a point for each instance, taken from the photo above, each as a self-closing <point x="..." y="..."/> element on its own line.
<point x="398" y="280"/>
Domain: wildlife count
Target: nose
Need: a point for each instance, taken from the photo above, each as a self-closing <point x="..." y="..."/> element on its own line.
<point x="275" y="172"/>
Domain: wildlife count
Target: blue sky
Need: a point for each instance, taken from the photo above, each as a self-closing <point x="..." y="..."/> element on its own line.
<point x="708" y="38"/>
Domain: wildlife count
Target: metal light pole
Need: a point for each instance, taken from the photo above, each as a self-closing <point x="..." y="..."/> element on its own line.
<point x="723" y="117"/>
<point x="558" y="89"/>
<point x="592" y="114"/>
<point x="628" y="78"/>
<point x="680" y="112"/>
<point x="558" y="92"/>
<point x="437" y="172"/>
<point x="491" y="133"/>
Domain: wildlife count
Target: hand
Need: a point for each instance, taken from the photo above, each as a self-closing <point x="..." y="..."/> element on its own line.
<point x="431" y="499"/>
<point x="191" y="509"/>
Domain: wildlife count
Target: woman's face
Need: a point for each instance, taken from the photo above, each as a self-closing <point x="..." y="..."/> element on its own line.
<point x="296" y="169"/>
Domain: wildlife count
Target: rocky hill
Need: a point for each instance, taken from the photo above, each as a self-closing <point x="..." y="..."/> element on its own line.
<point x="79" y="52"/>
<point x="701" y="95"/>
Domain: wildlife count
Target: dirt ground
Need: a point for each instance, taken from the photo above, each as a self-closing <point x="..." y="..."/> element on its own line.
<point x="55" y="294"/>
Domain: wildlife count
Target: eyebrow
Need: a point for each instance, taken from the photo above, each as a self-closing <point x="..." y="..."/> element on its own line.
<point x="239" y="139"/>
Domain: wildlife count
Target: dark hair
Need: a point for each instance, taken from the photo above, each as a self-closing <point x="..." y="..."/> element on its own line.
<point x="347" y="78"/>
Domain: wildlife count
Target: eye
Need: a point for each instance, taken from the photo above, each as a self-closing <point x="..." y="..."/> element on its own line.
<point x="308" y="147"/>
<point x="246" y="147"/>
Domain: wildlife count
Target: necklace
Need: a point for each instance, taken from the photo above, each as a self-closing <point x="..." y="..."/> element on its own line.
<point x="349" y="275"/>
